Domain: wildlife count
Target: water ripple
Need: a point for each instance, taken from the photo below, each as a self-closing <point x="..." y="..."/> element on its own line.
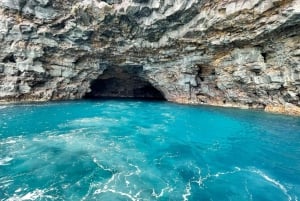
<point x="146" y="151"/>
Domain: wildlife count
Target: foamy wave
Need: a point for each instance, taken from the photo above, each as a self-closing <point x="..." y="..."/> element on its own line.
<point x="106" y="189"/>
<point x="267" y="178"/>
<point x="34" y="195"/>
<point x="127" y="195"/>
<point x="5" y="161"/>
<point x="102" y="166"/>
<point x="162" y="192"/>
<point x="85" y="122"/>
<point x="5" y="182"/>
<point x="187" y="192"/>
<point x="91" y="122"/>
<point x="274" y="182"/>
<point x="8" y="141"/>
<point x="201" y="179"/>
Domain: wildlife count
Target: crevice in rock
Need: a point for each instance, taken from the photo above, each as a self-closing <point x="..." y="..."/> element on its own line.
<point x="113" y="1"/>
<point x="264" y="55"/>
<point x="204" y="72"/>
<point x="9" y="59"/>
<point x="123" y="82"/>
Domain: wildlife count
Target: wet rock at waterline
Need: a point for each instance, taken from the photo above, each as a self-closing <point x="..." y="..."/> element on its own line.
<point x="229" y="53"/>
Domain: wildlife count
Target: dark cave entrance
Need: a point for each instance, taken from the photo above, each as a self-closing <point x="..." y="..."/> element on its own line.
<point x="123" y="82"/>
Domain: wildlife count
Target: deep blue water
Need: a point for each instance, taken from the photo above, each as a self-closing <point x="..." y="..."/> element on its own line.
<point x="132" y="150"/>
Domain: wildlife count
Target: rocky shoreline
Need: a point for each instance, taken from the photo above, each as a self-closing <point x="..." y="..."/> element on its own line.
<point x="231" y="53"/>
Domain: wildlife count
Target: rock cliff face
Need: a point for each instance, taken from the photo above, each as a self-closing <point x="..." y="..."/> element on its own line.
<point x="243" y="53"/>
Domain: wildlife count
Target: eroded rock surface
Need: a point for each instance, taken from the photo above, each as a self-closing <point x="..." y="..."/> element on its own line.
<point x="219" y="52"/>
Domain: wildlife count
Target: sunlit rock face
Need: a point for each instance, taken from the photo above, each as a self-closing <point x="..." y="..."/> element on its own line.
<point x="218" y="52"/>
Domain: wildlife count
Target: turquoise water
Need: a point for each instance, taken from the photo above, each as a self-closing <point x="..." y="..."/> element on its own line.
<point x="133" y="150"/>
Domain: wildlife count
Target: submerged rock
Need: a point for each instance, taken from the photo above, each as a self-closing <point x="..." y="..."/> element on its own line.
<point x="228" y="53"/>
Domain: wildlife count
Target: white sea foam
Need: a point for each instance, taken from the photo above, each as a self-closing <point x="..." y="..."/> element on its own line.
<point x="101" y="166"/>
<point x="5" y="182"/>
<point x="274" y="182"/>
<point x="34" y="195"/>
<point x="138" y="170"/>
<point x="3" y="107"/>
<point x="248" y="192"/>
<point x="5" y="161"/>
<point x="112" y="180"/>
<point x="187" y="192"/>
<point x="201" y="179"/>
<point x="128" y="195"/>
<point x="92" y="122"/>
<point x="9" y="141"/>
<point x="280" y="186"/>
<point x="111" y="186"/>
<point x="85" y="121"/>
<point x="162" y="192"/>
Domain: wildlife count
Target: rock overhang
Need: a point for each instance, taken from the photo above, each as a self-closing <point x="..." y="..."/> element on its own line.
<point x="233" y="53"/>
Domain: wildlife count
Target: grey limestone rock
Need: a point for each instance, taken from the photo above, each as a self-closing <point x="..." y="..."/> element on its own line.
<point x="229" y="53"/>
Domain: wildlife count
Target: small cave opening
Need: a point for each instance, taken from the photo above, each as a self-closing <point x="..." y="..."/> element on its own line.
<point x="123" y="82"/>
<point x="264" y="55"/>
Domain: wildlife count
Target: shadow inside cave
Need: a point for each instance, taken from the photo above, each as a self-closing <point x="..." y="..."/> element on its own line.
<point x="123" y="82"/>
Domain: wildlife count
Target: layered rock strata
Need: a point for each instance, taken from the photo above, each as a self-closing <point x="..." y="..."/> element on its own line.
<point x="218" y="52"/>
